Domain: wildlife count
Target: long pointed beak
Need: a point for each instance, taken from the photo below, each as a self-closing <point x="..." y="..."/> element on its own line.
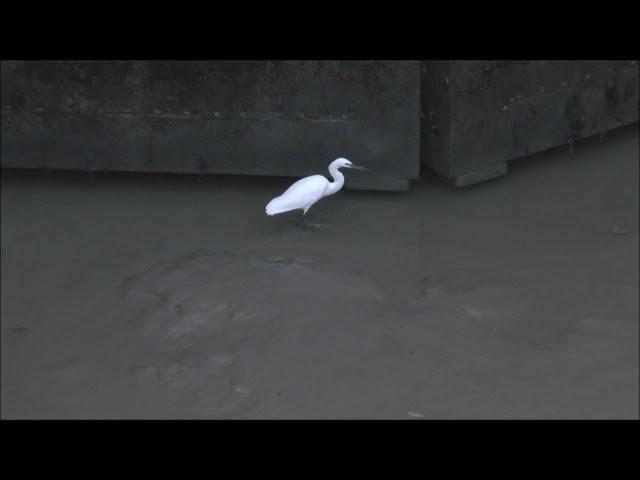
<point x="357" y="167"/>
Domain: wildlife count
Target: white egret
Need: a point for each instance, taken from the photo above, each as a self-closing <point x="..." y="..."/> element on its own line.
<point x="307" y="191"/>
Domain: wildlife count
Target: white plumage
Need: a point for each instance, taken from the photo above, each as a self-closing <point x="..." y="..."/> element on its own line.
<point x="307" y="191"/>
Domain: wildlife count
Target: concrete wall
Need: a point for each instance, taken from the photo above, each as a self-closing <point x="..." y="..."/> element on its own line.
<point x="463" y="119"/>
<point x="287" y="118"/>
<point x="478" y="115"/>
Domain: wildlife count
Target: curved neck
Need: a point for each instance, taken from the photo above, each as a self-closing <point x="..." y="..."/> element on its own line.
<point x="338" y="180"/>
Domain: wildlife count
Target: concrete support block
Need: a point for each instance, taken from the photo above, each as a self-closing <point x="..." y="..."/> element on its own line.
<point x="477" y="115"/>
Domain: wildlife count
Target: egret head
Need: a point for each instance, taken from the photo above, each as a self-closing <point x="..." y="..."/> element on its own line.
<point x="343" y="162"/>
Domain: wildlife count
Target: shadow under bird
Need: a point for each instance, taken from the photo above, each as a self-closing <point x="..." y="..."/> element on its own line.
<point x="307" y="191"/>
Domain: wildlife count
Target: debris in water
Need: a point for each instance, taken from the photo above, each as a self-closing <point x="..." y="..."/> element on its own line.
<point x="415" y="414"/>
<point x="243" y="390"/>
<point x="304" y="259"/>
<point x="619" y="230"/>
<point x="472" y="311"/>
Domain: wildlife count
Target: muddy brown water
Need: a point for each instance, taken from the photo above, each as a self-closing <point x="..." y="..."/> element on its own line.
<point x="134" y="296"/>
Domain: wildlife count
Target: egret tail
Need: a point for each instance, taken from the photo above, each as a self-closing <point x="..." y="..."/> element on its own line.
<point x="278" y="205"/>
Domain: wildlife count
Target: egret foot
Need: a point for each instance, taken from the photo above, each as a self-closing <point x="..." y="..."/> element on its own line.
<point x="317" y="225"/>
<point x="304" y="223"/>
